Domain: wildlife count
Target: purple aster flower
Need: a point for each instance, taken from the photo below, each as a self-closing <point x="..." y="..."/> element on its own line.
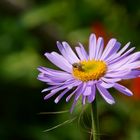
<point x="83" y="73"/>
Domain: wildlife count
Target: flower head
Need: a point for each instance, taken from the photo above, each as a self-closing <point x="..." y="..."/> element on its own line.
<point x="83" y="73"/>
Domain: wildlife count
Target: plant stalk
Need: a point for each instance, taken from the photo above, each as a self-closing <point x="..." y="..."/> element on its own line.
<point x="95" y="121"/>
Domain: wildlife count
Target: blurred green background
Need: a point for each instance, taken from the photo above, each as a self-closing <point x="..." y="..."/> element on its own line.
<point x="29" y="28"/>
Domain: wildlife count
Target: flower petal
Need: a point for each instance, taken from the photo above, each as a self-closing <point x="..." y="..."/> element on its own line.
<point x="50" y="95"/>
<point x="124" y="48"/>
<point x="117" y="74"/>
<point x="80" y="90"/>
<point x="61" y="95"/>
<point x="88" y="87"/>
<point x="41" y="78"/>
<point x="73" y="105"/>
<point x="79" y="52"/>
<point x="133" y="57"/>
<point x="59" y="61"/>
<point x="132" y="74"/>
<point x="123" y="89"/>
<point x="91" y="97"/>
<point x="99" y="48"/>
<point x="85" y="55"/>
<point x="110" y="80"/>
<point x="62" y="50"/>
<point x="112" y="54"/>
<point x="92" y="46"/>
<point x="121" y="57"/>
<point x="109" y="48"/>
<point x="54" y="73"/>
<point x="133" y="65"/>
<point x="105" y="94"/>
<point x="68" y="98"/>
<point x="87" y="91"/>
<point x="84" y="100"/>
<point x="106" y="85"/>
<point x="49" y="88"/>
<point x="111" y="58"/>
<point x="69" y="57"/>
<point x="54" y="91"/>
<point x="70" y="52"/>
<point x="124" y="62"/>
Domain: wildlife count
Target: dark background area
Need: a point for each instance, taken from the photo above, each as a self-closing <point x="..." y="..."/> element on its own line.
<point x="29" y="28"/>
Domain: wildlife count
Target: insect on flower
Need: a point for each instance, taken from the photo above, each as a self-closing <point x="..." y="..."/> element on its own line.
<point x="98" y="69"/>
<point x="77" y="66"/>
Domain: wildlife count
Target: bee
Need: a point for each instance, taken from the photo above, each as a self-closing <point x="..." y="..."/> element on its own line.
<point x="77" y="66"/>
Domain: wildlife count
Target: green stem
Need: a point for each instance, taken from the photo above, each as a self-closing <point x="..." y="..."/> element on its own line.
<point x="95" y="122"/>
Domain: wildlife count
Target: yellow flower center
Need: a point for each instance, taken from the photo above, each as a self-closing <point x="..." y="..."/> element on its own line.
<point x="89" y="70"/>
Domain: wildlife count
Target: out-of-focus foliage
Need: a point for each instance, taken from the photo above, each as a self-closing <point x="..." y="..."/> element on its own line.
<point x="29" y="28"/>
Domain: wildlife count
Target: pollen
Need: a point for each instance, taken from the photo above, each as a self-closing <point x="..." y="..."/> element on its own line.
<point x="89" y="70"/>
